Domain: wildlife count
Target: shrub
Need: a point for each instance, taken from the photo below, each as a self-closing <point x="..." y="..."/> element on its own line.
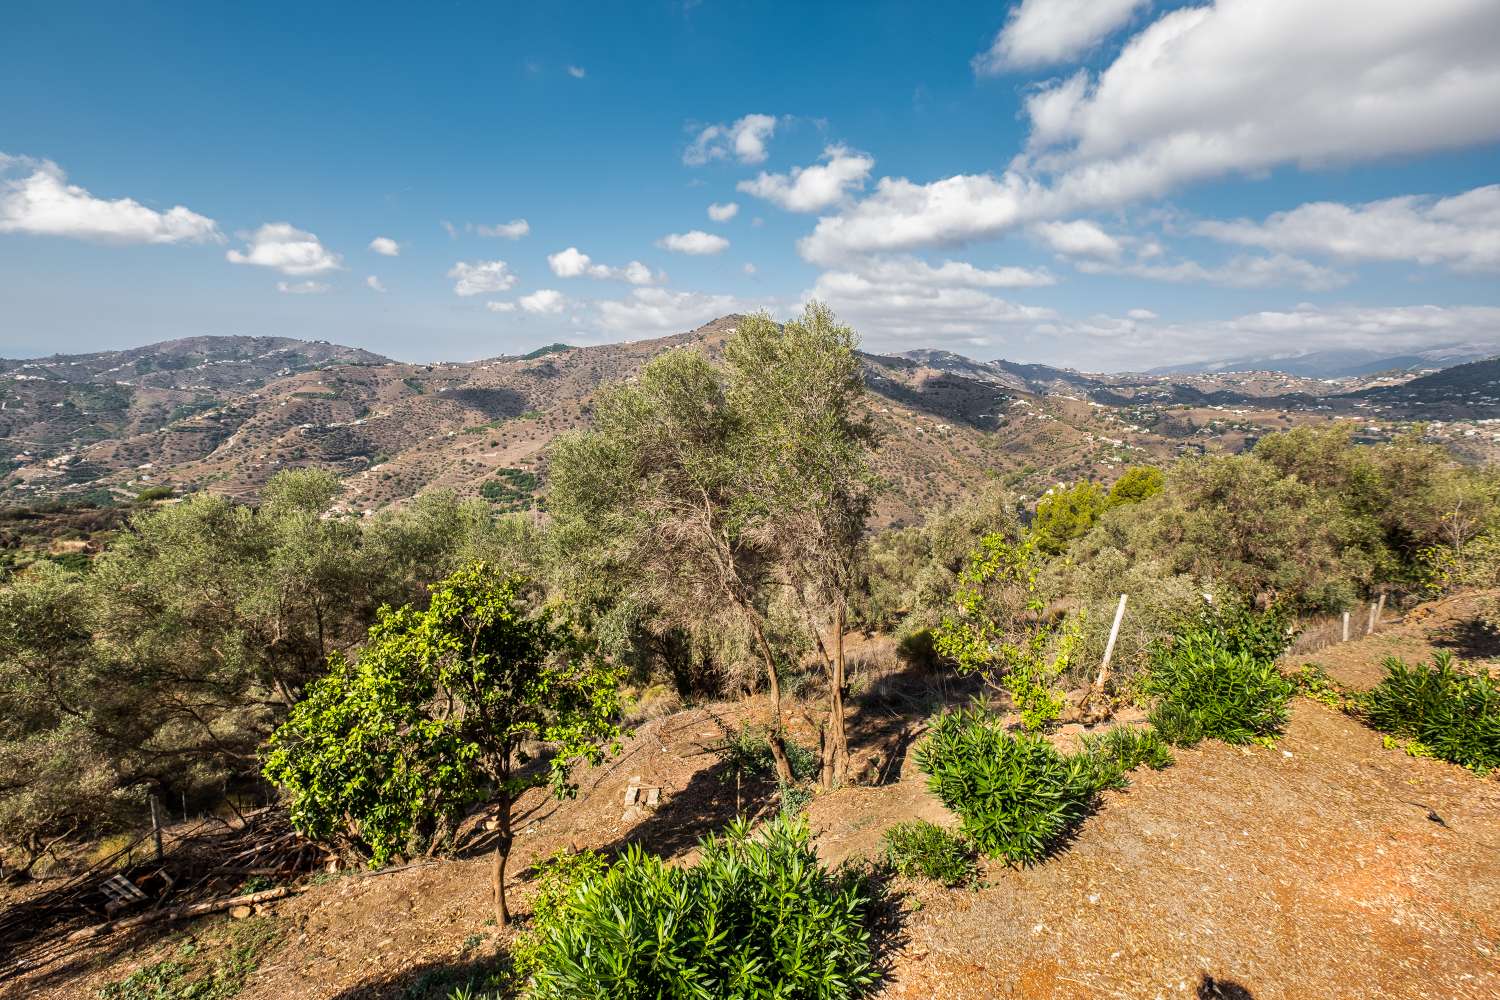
<point x="1453" y="714"/>
<point x="558" y="878"/>
<point x="920" y="849"/>
<point x="756" y="917"/>
<point x="1017" y="794"/>
<point x="1120" y="749"/>
<point x="1213" y="683"/>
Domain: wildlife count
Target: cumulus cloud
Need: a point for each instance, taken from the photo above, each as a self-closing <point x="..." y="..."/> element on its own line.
<point x="1237" y="86"/>
<point x="918" y="313"/>
<point x="36" y="199"/>
<point x="1079" y="238"/>
<point x="301" y="287"/>
<point x="512" y="230"/>
<point x="814" y="188"/>
<point x="1244" y="85"/>
<point x="723" y="212"/>
<point x="908" y="270"/>
<point x="574" y="263"/>
<point x="745" y="140"/>
<point x="481" y="277"/>
<point x="543" y="301"/>
<point x="1462" y="231"/>
<point x="287" y="249"/>
<point x="1246" y="271"/>
<point x="577" y="72"/>
<point x="1142" y="314"/>
<point x="374" y="284"/>
<point x="653" y="312"/>
<point x="385" y="246"/>
<point x="500" y="307"/>
<point x="695" y="242"/>
<point x="1046" y="32"/>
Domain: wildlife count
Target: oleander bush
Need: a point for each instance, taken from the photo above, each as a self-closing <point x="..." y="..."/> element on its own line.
<point x="1219" y="683"/>
<point x="757" y="916"/>
<point x="1016" y="793"/>
<point x="1452" y="713"/>
<point x="919" y="849"/>
<point x="1121" y="749"/>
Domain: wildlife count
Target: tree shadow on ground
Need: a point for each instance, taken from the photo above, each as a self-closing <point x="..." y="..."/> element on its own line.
<point x="890" y="713"/>
<point x="497" y="403"/>
<point x="1211" y="988"/>
<point x="705" y="806"/>
<point x="1470" y="640"/>
<point x="480" y="977"/>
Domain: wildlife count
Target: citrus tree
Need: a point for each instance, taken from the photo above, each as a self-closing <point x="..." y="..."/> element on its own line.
<point x="443" y="708"/>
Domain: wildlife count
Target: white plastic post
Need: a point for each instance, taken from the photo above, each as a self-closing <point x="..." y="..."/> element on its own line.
<point x="1109" y="647"/>
<point x="1346" y="626"/>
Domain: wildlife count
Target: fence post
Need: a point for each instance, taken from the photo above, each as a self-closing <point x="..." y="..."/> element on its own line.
<point x="1109" y="647"/>
<point x="1371" y="627"/>
<point x="1346" y="626"/>
<point x="156" y="826"/>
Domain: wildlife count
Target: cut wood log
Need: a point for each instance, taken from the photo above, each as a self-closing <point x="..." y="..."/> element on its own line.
<point x="1109" y="647"/>
<point x="184" y="912"/>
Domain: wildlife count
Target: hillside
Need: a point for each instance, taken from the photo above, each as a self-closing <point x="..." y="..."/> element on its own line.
<point x="227" y="413"/>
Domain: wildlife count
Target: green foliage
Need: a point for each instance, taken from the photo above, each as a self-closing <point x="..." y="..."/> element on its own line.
<point x="757" y="916"/>
<point x="437" y="713"/>
<point x="1453" y="714"/>
<point x="919" y="849"/>
<point x="1066" y="513"/>
<point x="216" y="969"/>
<point x="1137" y="483"/>
<point x="1000" y="633"/>
<point x="1121" y="749"/>
<point x="511" y="489"/>
<point x="1017" y="794"/>
<point x="746" y="753"/>
<point x="154" y="493"/>
<point x="557" y="878"/>
<point x="1220" y="681"/>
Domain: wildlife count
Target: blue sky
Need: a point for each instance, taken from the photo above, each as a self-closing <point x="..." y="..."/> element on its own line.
<point x="1100" y="183"/>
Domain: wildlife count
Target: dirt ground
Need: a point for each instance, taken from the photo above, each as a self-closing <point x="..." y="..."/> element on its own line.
<point x="1327" y="867"/>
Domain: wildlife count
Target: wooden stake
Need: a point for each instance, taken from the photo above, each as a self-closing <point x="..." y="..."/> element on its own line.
<point x="1371" y="627"/>
<point x="1346" y="626"/>
<point x="1109" y="647"/>
<point x="156" y="826"/>
<point x="1380" y="608"/>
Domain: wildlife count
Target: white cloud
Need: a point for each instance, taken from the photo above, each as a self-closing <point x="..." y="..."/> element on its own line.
<point x="814" y="188"/>
<point x="574" y="263"/>
<point x="385" y="246"/>
<point x="482" y="276"/>
<point x="290" y="250"/>
<point x="650" y="312"/>
<point x="301" y="287"/>
<point x="577" y="72"/>
<point x="1105" y="343"/>
<point x="745" y="140"/>
<point x="1142" y="314"/>
<point x="543" y="301"/>
<point x="749" y="269"/>
<point x="1079" y="238"/>
<point x="512" y="230"/>
<point x="1244" y="85"/>
<point x="450" y="229"/>
<point x="500" y="307"/>
<point x="901" y="315"/>
<point x="1044" y="32"/>
<point x="1240" y="272"/>
<point x="723" y="212"/>
<point x="36" y="199"/>
<point x="1462" y="231"/>
<point x="902" y="215"/>
<point x="374" y="284"/>
<point x="907" y="270"/>
<point x="1237" y="86"/>
<point x="695" y="242"/>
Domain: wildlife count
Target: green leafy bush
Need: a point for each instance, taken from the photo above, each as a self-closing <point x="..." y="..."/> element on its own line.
<point x="1453" y="714"/>
<point x="1120" y="749"/>
<point x="558" y="877"/>
<point x="1017" y="794"/>
<point x="758" y="916"/>
<point x="1220" y="682"/>
<point x="920" y="849"/>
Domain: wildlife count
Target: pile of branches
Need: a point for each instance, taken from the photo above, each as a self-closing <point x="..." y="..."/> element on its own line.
<point x="257" y="855"/>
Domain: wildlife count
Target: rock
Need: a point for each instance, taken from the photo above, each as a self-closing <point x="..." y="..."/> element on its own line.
<point x="241" y="912"/>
